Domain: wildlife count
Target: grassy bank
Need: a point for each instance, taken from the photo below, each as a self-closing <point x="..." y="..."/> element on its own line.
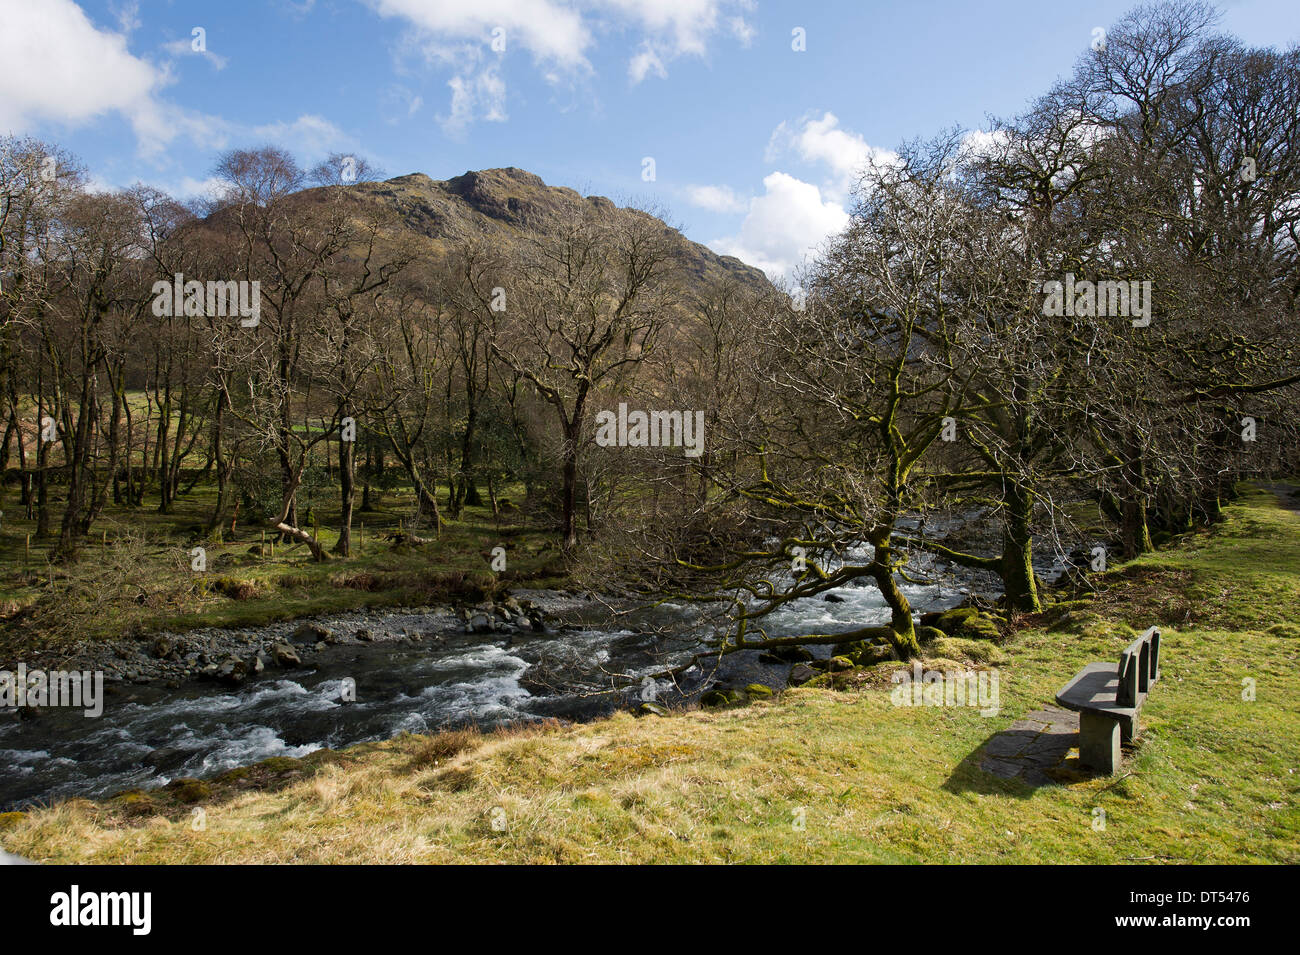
<point x="1214" y="779"/>
<point x="135" y="576"/>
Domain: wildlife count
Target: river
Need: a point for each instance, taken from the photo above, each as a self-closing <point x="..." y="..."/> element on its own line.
<point x="589" y="663"/>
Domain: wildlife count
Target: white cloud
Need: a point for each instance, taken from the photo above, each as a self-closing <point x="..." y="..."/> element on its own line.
<point x="979" y="143"/>
<point x="185" y="47"/>
<point x="56" y="66"/>
<point x="480" y="95"/>
<point x="645" y="63"/>
<point x="784" y="225"/>
<point x="558" y="34"/>
<point x="128" y="16"/>
<point x="677" y="28"/>
<point x="462" y="36"/>
<point x="550" y="31"/>
<point x="308" y="135"/>
<point x="821" y="140"/>
<point x="716" y="198"/>
<point x="742" y="30"/>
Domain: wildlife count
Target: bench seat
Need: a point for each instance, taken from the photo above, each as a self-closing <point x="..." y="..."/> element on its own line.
<point x="1095" y="689"/>
<point x="1107" y="697"/>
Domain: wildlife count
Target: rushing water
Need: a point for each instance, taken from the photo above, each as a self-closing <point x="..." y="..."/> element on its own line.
<point x="588" y="665"/>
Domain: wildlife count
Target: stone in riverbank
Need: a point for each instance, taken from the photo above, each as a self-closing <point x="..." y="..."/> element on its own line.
<point x="234" y="671"/>
<point x="801" y="673"/>
<point x="786" y="655"/>
<point x="311" y="632"/>
<point x="968" y="623"/>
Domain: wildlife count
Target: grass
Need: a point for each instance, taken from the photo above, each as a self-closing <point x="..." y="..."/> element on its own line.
<point x="134" y="576"/>
<point x="815" y="775"/>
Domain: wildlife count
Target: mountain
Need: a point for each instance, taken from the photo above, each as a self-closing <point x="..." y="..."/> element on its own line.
<point x="502" y="204"/>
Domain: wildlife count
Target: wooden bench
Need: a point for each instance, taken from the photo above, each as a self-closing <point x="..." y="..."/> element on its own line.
<point x="1107" y="697"/>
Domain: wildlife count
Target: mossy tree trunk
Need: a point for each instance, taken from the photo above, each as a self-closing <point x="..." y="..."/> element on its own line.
<point x="1017" y="564"/>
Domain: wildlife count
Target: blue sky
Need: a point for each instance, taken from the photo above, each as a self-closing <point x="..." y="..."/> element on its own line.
<point x="753" y="142"/>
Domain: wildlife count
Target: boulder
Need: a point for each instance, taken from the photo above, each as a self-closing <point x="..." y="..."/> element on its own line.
<point x="871" y="637"/>
<point x="927" y="634"/>
<point x="875" y="653"/>
<point x="234" y="671"/>
<point x="285" y="655"/>
<point x="800" y="674"/>
<point x="715" y="699"/>
<point x="968" y="623"/>
<point x="652" y="709"/>
<point x="313" y="633"/>
<point x="758" y="691"/>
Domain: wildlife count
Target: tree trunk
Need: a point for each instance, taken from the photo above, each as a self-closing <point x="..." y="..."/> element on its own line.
<point x="347" y="454"/>
<point x="1017" y="566"/>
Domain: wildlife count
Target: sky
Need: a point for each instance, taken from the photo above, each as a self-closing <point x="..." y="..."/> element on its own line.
<point x="740" y="121"/>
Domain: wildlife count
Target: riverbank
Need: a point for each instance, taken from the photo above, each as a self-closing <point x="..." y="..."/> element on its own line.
<point x="144" y="577"/>
<point x="814" y="774"/>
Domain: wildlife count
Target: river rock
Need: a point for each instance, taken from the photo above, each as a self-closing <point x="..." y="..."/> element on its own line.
<point x="234" y="671"/>
<point x="875" y="653"/>
<point x="801" y="673"/>
<point x="313" y="633"/>
<point x="719" y="698"/>
<point x="968" y="623"/>
<point x="786" y="655"/>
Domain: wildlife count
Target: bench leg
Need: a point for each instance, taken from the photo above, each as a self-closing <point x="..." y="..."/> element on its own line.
<point x="1128" y="728"/>
<point x="1099" y="738"/>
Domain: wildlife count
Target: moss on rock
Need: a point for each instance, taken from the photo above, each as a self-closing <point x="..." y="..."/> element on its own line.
<point x="968" y="623"/>
<point x="717" y="699"/>
<point x="977" y="651"/>
<point x="189" y="790"/>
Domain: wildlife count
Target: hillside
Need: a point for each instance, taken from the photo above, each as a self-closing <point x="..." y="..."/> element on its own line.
<point x="501" y="205"/>
<point x="1212" y="780"/>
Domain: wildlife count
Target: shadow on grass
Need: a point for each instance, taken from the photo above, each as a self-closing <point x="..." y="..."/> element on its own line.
<point x="1017" y="763"/>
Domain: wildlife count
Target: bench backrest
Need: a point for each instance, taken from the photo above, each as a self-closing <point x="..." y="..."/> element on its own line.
<point x="1139" y="667"/>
